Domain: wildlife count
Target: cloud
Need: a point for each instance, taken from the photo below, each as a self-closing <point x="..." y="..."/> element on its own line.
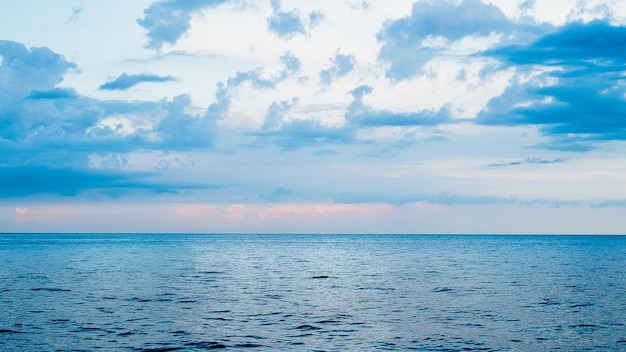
<point x="579" y="98"/>
<point x="310" y="132"/>
<point x="444" y="199"/>
<point x="20" y="181"/>
<point x="49" y="134"/>
<point x="26" y="77"/>
<point x="361" y="115"/>
<point x="292" y="134"/>
<point x="341" y="66"/>
<point x="403" y="40"/>
<point x="259" y="80"/>
<point x="287" y="24"/>
<point x="307" y="132"/>
<point x="276" y="195"/>
<point x="76" y="13"/>
<point x="292" y="64"/>
<point x="126" y="81"/>
<point x="24" y="70"/>
<point x="621" y="203"/>
<point x="54" y="93"/>
<point x="180" y="130"/>
<point x="167" y="20"/>
<point x="275" y="114"/>
<point x="596" y="43"/>
<point x="527" y="161"/>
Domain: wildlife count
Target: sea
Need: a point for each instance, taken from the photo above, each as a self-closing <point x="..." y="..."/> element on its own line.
<point x="291" y="292"/>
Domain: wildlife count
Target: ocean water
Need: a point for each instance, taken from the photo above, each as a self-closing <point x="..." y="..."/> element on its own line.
<point x="144" y="292"/>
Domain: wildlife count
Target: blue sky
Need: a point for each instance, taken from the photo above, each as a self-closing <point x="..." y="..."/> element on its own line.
<point x="466" y="116"/>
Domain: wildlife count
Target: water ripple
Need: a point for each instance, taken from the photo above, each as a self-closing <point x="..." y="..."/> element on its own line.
<point x="312" y="293"/>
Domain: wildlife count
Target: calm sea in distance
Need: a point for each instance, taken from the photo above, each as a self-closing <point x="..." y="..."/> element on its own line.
<point x="149" y="292"/>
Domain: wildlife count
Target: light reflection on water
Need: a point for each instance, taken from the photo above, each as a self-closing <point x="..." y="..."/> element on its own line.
<point x="312" y="292"/>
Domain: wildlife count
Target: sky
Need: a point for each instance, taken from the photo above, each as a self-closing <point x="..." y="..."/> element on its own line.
<point x="342" y="116"/>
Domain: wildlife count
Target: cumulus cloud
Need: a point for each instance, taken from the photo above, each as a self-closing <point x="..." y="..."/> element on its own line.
<point x="275" y="114"/>
<point x="403" y="40"/>
<point x="287" y="24"/>
<point x="28" y="73"/>
<point x="167" y="20"/>
<point x="361" y="115"/>
<point x="126" y="81"/>
<point x="580" y="98"/>
<point x="299" y="133"/>
<point x="573" y="44"/>
<point x="24" y="70"/>
<point x="40" y="123"/>
<point x="38" y="113"/>
<point x="292" y="64"/>
<point x="295" y="134"/>
<point x="180" y="130"/>
<point x="341" y="66"/>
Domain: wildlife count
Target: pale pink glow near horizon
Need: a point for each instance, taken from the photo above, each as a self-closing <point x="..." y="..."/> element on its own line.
<point x="21" y="214"/>
<point x="277" y="212"/>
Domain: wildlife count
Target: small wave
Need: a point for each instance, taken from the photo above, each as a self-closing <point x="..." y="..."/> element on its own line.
<point x="218" y="318"/>
<point x="376" y="288"/>
<point x="248" y="345"/>
<point x="179" y="332"/>
<point x="307" y="327"/>
<point x="210" y="345"/>
<point x="549" y="302"/>
<point x="584" y="326"/>
<point x="50" y="289"/>
<point x="8" y="331"/>
<point x="91" y="329"/>
<point x="581" y="305"/>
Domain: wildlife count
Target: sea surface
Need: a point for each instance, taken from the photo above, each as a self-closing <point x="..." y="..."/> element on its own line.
<point x="149" y="292"/>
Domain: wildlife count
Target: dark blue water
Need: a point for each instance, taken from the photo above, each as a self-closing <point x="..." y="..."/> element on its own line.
<point x="312" y="292"/>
